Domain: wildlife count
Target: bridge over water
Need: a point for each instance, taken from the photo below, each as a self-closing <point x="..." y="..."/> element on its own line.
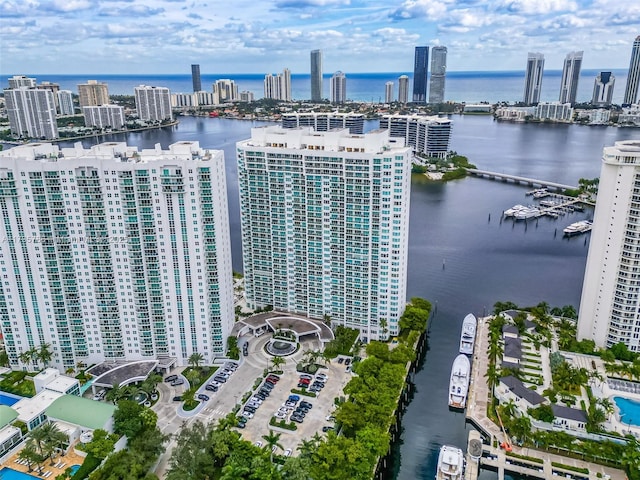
<point x="505" y="177"/>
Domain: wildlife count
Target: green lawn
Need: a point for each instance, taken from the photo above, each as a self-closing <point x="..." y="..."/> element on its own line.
<point x="15" y="382"/>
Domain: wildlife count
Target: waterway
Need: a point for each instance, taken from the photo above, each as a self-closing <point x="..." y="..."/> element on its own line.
<point x="461" y="256"/>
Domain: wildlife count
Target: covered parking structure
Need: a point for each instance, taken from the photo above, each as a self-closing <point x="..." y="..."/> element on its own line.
<point x="121" y="374"/>
<point x="299" y="325"/>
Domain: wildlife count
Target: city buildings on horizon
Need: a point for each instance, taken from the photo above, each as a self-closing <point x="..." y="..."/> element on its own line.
<point x="134" y="262"/>
<point x="438" y="74"/>
<point x="603" y="89"/>
<point x="338" y="87"/>
<point x="388" y="92"/>
<point x="570" y="77"/>
<point x="195" y="78"/>
<point x="104" y="116"/>
<point x="533" y="78"/>
<point x="153" y="103"/>
<point x="278" y="87"/>
<point x="316" y="76"/>
<point x="633" y="78"/>
<point x="426" y="135"/>
<point x="420" y="68"/>
<point x="226" y="89"/>
<point x="324" y="220"/>
<point x="31" y="112"/>
<point x="65" y="102"/>
<point x="93" y="93"/>
<point x="609" y="305"/>
<point x="403" y="89"/>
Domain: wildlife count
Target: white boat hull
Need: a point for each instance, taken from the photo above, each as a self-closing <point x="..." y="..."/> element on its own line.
<point x="459" y="382"/>
<point x="468" y="334"/>
<point x="450" y="463"/>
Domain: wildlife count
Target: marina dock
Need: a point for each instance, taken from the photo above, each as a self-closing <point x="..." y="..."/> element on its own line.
<point x="561" y="205"/>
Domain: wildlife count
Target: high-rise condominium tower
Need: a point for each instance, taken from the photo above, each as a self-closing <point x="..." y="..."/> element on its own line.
<point x="278" y="87"/>
<point x="153" y="103"/>
<point x="112" y="253"/>
<point x="403" y="89"/>
<point x="388" y="92"/>
<point x="420" y="67"/>
<point x="227" y="90"/>
<point x="610" y="304"/>
<point x="533" y="78"/>
<point x="18" y="81"/>
<point x="338" y="87"/>
<point x="65" y="102"/>
<point x="31" y="112"/>
<point x="633" y="78"/>
<point x="438" y="73"/>
<point x="195" y="78"/>
<point x="316" y="76"/>
<point x="570" y="77"/>
<point x="93" y="93"/>
<point x="323" y="232"/>
<point x="603" y="89"/>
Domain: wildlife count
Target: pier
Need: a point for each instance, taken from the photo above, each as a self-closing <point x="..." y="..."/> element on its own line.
<point x="505" y="177"/>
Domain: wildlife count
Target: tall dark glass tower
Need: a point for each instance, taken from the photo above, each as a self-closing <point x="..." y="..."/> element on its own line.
<point x="316" y="75"/>
<point x="633" y="79"/>
<point x="195" y="78"/>
<point x="420" y="68"/>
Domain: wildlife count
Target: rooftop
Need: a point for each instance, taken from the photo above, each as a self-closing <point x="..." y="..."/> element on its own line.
<point x="109" y="374"/>
<point x="81" y="411"/>
<point x="29" y="408"/>
<point x="569" y="413"/>
<point x="513" y="348"/>
<point x="519" y="389"/>
<point x="61" y="384"/>
<point x="7" y="415"/>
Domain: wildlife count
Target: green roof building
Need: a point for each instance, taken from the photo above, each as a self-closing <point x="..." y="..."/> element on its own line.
<point x="7" y="415"/>
<point x="82" y="412"/>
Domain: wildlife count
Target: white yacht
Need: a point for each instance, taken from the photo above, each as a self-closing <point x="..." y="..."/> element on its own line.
<point x="526" y="213"/>
<point x="468" y="335"/>
<point x="459" y="383"/>
<point x="577" y="228"/>
<point x="450" y="463"/>
<point x="510" y="212"/>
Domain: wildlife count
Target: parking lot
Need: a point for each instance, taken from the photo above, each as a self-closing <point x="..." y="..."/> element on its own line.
<point x="315" y="418"/>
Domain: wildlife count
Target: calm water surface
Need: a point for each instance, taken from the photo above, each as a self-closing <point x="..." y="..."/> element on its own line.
<point x="461" y="256"/>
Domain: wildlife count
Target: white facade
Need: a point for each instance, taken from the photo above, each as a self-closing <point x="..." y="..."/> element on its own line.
<point x="325" y="121"/>
<point x="429" y="135"/>
<point x="153" y="103"/>
<point x="603" y="89"/>
<point x="633" y="78"/>
<point x="65" y="102"/>
<point x="227" y="90"/>
<point x="246" y="96"/>
<point x="514" y="114"/>
<point x="278" y="87"/>
<point x="338" y="87"/>
<point x="31" y="112"/>
<point x="555" y="111"/>
<point x="112" y="253"/>
<point x="18" y="81"/>
<point x="533" y="78"/>
<point x="610" y="305"/>
<point x="325" y="220"/>
<point x="630" y="115"/>
<point x="403" y="89"/>
<point x="104" y="116"/>
<point x="598" y="116"/>
<point x="388" y="92"/>
<point x="179" y="100"/>
<point x="570" y="77"/>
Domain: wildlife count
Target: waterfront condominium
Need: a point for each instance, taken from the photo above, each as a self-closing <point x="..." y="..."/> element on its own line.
<point x="438" y="74"/>
<point x="403" y="89"/>
<point x="325" y="121"/>
<point x="93" y="93"/>
<point x="388" y="92"/>
<point x="18" y="81"/>
<point x="104" y="116"/>
<point x="153" y="103"/>
<point x="325" y="220"/>
<point x="196" y="80"/>
<point x="611" y="291"/>
<point x="316" y="76"/>
<point x="278" y="87"/>
<point x="338" y="87"/>
<point x="533" y="78"/>
<point x="420" y="67"/>
<point x="633" y="78"/>
<point x="603" y="89"/>
<point x="227" y="90"/>
<point x="427" y="135"/>
<point x="31" y="112"/>
<point x="65" y="102"/>
<point x="111" y="253"/>
<point x="570" y="77"/>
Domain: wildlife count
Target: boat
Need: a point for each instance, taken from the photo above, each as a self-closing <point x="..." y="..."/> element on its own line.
<point x="510" y="212"/>
<point x="526" y="213"/>
<point x="583" y="226"/>
<point x="450" y="463"/>
<point x="459" y="383"/>
<point x="468" y="335"/>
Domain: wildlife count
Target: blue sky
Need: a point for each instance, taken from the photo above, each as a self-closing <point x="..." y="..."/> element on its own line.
<point x="257" y="36"/>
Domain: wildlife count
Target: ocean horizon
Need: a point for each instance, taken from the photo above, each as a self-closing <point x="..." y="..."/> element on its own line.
<point x="460" y="86"/>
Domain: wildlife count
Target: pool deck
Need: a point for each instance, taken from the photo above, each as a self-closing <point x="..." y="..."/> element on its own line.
<point x="69" y="459"/>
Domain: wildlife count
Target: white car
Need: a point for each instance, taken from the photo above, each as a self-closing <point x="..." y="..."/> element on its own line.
<point x="280" y="415"/>
<point x="322" y="378"/>
<point x="258" y="444"/>
<point x="287" y="452"/>
<point x="285" y="409"/>
<point x="256" y="400"/>
<point x="247" y="415"/>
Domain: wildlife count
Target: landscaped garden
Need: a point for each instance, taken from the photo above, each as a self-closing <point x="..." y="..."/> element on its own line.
<point x="16" y="382"/>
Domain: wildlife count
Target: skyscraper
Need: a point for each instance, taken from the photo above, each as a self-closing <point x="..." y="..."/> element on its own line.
<point x="533" y="78"/>
<point x="603" y="89"/>
<point x="338" y="87"/>
<point x="153" y="103"/>
<point x="227" y="90"/>
<point x="137" y="266"/>
<point x="18" y="81"/>
<point x="65" y="102"/>
<point x="420" y="67"/>
<point x="325" y="121"/>
<point x="403" y="89"/>
<point x="388" y="92"/>
<point x="633" y="78"/>
<point x="570" y="77"/>
<point x="195" y="78"/>
<point x="104" y="116"/>
<point x="429" y="135"/>
<point x="610" y="301"/>
<point x="278" y="87"/>
<point x="31" y="112"/>
<point x="438" y="73"/>
<point x="322" y="232"/>
<point x="93" y="93"/>
<point x="316" y="76"/>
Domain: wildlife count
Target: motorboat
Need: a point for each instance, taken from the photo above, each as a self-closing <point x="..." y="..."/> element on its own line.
<point x="526" y="213"/>
<point x="577" y="228"/>
<point x="468" y="334"/>
<point x="450" y="463"/>
<point x="459" y="382"/>
<point x="510" y="212"/>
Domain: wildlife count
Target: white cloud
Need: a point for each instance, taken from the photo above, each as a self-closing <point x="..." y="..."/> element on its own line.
<point x="540" y="7"/>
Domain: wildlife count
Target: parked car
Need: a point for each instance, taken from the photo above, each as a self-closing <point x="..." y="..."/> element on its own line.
<point x="211" y="388"/>
<point x="231" y="365"/>
<point x="265" y="392"/>
<point x="326" y="428"/>
<point x="304" y="403"/>
<point x="177" y="398"/>
<point x="307" y="376"/>
<point x="256" y="399"/>
<point x="290" y="404"/>
<point x="170" y="378"/>
<point x="270" y="380"/>
<point x="322" y="377"/>
<point x="203" y="397"/>
<point x="260" y="396"/>
<point x="348" y="369"/>
<point x="330" y="418"/>
<point x="258" y="443"/>
<point x="177" y="382"/>
<point x="318" y="384"/>
<point x="240" y="425"/>
<point x="314" y="389"/>
<point x="303" y="385"/>
<point x="249" y="408"/>
<point x="305" y="380"/>
<point x="296" y="419"/>
<point x="347" y="361"/>
<point x="247" y="414"/>
<point x="273" y="376"/>
<point x="280" y="415"/>
<point x="340" y="360"/>
<point x="242" y="419"/>
<point x="294" y="398"/>
<point x="284" y="409"/>
<point x="287" y="452"/>
<point x="220" y="379"/>
<point x="267" y="385"/>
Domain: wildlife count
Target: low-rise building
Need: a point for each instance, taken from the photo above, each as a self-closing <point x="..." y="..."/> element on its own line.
<point x="630" y="116"/>
<point x="51" y="379"/>
<point x="512" y="389"/>
<point x="104" y="116"/>
<point x="569" y="418"/>
<point x="598" y="116"/>
<point x="514" y="114"/>
<point x="554" y="111"/>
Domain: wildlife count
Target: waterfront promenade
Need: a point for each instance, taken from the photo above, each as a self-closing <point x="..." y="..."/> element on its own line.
<point x="496" y="458"/>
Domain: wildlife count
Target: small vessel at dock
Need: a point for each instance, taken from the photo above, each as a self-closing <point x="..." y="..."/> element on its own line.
<point x="577" y="228"/>
<point x="459" y="382"/>
<point x="450" y="463"/>
<point x="526" y="213"/>
<point x="468" y="334"/>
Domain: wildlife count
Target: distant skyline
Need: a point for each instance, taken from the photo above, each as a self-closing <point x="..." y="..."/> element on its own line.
<point x="167" y="36"/>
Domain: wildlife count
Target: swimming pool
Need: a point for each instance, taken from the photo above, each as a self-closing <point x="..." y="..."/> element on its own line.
<point x="8" y="398"/>
<point x="74" y="468"/>
<point x="9" y="474"/>
<point x="629" y="410"/>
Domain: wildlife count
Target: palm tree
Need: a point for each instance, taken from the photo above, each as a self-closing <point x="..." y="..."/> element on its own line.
<point x="383" y="327"/>
<point x="229" y="421"/>
<point x="70" y="371"/>
<point x="306" y="448"/>
<point x="4" y="359"/>
<point x="116" y="393"/>
<point x="25" y="357"/>
<point x="38" y="436"/>
<point x="150" y="384"/>
<point x="277" y="361"/>
<point x="492" y="376"/>
<point x="272" y="440"/>
<point x="234" y="471"/>
<point x="196" y="359"/>
<point x="34" y="354"/>
<point x="30" y="454"/>
<point x="53" y="439"/>
<point x="44" y="354"/>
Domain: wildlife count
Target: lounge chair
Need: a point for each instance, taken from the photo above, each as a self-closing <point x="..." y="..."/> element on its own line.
<point x="62" y="465"/>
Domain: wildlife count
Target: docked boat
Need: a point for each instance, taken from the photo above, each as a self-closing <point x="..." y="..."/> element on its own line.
<point x="468" y="335"/>
<point x="510" y="212"/>
<point x="526" y="213"/>
<point x="577" y="228"/>
<point x="450" y="463"/>
<point x="459" y="382"/>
